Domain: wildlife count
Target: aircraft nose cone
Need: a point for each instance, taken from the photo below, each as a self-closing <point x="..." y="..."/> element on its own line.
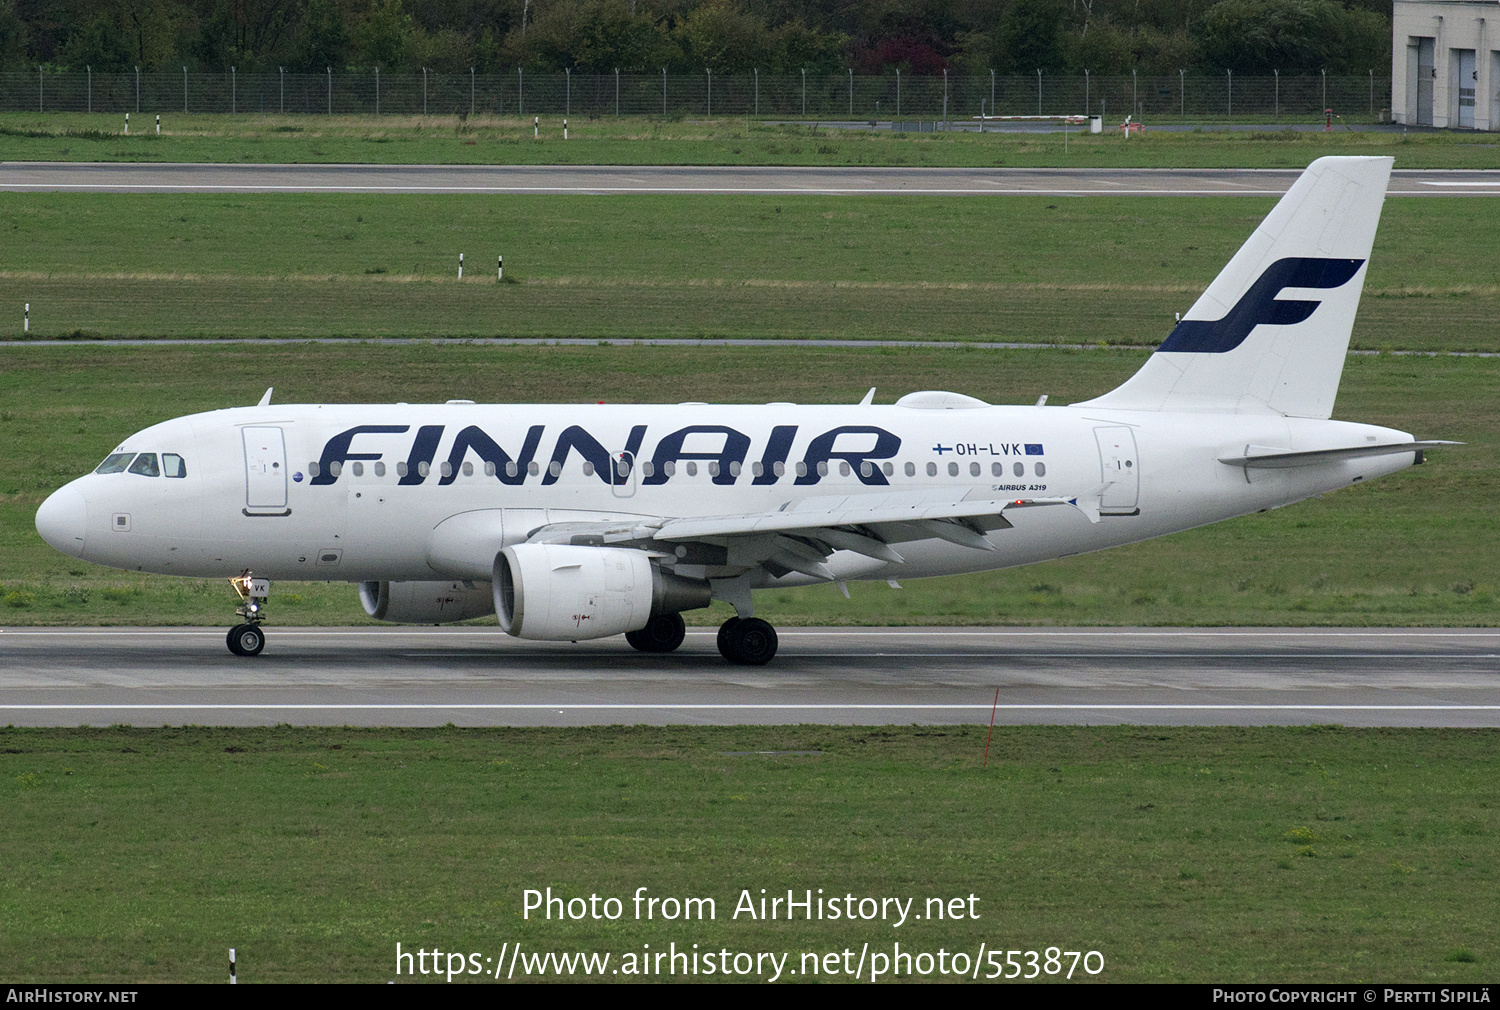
<point x="62" y="520"/>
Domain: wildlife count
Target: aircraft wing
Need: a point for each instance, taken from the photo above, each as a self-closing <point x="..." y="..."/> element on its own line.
<point x="801" y="534"/>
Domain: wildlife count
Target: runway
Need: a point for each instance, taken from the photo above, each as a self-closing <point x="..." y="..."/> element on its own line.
<point x="477" y="676"/>
<point x="583" y="180"/>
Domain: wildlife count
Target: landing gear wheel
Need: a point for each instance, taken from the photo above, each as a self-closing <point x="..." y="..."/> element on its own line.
<point x="726" y="633"/>
<point x="663" y="633"/>
<point x="747" y="642"/>
<point x="246" y="640"/>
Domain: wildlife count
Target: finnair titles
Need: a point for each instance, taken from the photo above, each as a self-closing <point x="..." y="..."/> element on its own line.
<point x="574" y="522"/>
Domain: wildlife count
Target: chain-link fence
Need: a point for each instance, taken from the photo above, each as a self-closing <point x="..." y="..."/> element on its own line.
<point x="1222" y="96"/>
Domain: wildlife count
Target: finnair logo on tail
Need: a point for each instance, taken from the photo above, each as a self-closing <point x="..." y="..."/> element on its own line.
<point x="1260" y="305"/>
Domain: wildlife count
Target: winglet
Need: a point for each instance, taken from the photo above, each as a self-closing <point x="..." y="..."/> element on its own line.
<point x="265" y="401"/>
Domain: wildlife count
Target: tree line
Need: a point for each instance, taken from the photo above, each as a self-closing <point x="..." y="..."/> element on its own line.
<point x="921" y="37"/>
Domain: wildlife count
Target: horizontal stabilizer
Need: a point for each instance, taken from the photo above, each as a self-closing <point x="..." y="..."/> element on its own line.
<point x="1289" y="459"/>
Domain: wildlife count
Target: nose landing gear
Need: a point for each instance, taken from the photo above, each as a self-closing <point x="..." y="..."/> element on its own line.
<point x="248" y="639"/>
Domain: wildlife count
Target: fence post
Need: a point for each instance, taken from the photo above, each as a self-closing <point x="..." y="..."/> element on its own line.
<point x="757" y="91"/>
<point x="945" y="98"/>
<point x="709" y="73"/>
<point x="1085" y="92"/>
<point x="424" y="91"/>
<point x="283" y="89"/>
<point x="663" y="91"/>
<point x="1324" y="72"/>
<point x="90" y="71"/>
<point x="1133" y="100"/>
<point x="851" y="92"/>
<point x="804" y="92"/>
<point x="377" y="91"/>
<point x="568" y="98"/>
<point x="184" y="91"/>
<point x="330" y="91"/>
<point x="233" y="92"/>
<point x="1276" y="113"/>
<point x="1182" y="89"/>
<point x="1039" y="92"/>
<point x="992" y="91"/>
<point x="617" y="92"/>
<point x="1372" y="92"/>
<point x="521" y="88"/>
<point x="471" y="91"/>
<point x="898" y="92"/>
<point x="138" y="88"/>
<point x="1229" y="76"/>
<point x="41" y="102"/>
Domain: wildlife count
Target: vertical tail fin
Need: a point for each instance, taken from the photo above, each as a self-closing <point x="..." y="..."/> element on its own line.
<point x="1241" y="348"/>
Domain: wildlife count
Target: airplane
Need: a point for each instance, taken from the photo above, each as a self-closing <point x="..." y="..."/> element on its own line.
<point x="574" y="522"/>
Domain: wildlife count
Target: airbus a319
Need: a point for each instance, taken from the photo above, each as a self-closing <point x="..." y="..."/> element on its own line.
<point x="574" y="522"/>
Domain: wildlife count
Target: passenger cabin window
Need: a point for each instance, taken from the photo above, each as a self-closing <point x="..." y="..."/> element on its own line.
<point x="1041" y="469"/>
<point x="911" y="469"/>
<point x="1020" y="469"/>
<point x="973" y="469"/>
<point x="380" y="469"/>
<point x="932" y="469"/>
<point x="887" y="468"/>
<point x="115" y="462"/>
<point x="172" y="465"/>
<point x="952" y="469"/>
<point x="359" y="469"/>
<point x="468" y="469"/>
<point x="145" y="465"/>
<point x="647" y="468"/>
<point x="692" y="469"/>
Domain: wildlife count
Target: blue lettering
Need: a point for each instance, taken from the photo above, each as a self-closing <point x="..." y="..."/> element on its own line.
<point x="821" y="450"/>
<point x="337" y="449"/>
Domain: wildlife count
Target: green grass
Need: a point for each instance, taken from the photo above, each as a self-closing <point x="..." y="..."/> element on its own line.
<point x="1222" y="854"/>
<point x="63" y="409"/>
<point x="1027" y="269"/>
<point x="403" y="139"/>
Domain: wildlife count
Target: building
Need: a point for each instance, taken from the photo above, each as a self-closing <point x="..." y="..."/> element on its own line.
<point x="1445" y="63"/>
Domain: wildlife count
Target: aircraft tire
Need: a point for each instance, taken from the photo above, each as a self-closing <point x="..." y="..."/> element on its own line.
<point x="246" y="640"/>
<point x="748" y="642"/>
<point x="663" y="633"/>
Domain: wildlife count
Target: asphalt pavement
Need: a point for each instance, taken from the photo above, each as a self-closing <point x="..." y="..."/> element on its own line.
<point x="569" y="179"/>
<point x="477" y="676"/>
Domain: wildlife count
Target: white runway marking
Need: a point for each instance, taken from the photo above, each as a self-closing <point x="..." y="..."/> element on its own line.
<point x="737" y="707"/>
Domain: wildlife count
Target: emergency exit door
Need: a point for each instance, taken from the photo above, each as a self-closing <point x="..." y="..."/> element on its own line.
<point x="1119" y="469"/>
<point x="265" y="470"/>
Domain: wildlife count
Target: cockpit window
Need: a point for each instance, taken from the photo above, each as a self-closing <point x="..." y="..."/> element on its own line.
<point x="145" y="465"/>
<point x="172" y="465"/>
<point x="115" y="462"/>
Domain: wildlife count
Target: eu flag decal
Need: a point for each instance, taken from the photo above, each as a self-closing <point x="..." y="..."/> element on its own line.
<point x="1033" y="448"/>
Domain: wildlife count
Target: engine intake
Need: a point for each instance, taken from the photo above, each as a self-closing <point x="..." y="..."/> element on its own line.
<point x="425" y="602"/>
<point x="568" y="593"/>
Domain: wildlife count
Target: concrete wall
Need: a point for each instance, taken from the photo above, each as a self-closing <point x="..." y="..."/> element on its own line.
<point x="1452" y="28"/>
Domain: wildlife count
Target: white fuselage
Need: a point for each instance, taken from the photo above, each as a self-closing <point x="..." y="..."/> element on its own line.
<point x="280" y="510"/>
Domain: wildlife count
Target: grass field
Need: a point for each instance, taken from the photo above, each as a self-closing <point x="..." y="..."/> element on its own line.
<point x="1027" y="269"/>
<point x="1222" y="855"/>
<point x="1311" y="564"/>
<point x="484" y="140"/>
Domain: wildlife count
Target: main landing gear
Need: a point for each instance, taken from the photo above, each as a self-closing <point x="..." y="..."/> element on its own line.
<point x="663" y="633"/>
<point x="248" y="639"/>
<point x="747" y="641"/>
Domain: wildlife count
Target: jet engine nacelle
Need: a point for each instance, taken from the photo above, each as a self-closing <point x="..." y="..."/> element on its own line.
<point x="567" y="593"/>
<point x="425" y="602"/>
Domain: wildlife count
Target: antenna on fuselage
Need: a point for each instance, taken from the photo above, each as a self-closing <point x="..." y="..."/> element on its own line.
<point x="869" y="398"/>
<point x="265" y="401"/>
